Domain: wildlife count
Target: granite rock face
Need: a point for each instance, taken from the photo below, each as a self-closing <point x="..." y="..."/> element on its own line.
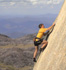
<point x="54" y="56"/>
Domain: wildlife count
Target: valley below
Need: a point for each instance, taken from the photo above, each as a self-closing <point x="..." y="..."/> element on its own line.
<point x="16" y="54"/>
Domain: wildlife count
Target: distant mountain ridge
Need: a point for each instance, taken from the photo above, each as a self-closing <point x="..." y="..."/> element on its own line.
<point x="24" y="25"/>
<point x="5" y="40"/>
<point x="27" y="39"/>
<point x="4" y="36"/>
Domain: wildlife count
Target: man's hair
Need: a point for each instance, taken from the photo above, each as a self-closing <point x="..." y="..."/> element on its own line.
<point x="40" y="25"/>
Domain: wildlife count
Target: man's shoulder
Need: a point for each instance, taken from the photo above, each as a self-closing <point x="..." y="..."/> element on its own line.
<point x="43" y="30"/>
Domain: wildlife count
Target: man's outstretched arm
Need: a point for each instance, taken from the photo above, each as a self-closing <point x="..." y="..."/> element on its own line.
<point x="51" y="26"/>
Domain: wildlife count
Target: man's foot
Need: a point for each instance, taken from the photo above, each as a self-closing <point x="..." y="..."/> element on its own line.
<point x="34" y="59"/>
<point x="41" y="50"/>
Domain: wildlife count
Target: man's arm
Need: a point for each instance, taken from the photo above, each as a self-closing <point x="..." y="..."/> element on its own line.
<point x="51" y="26"/>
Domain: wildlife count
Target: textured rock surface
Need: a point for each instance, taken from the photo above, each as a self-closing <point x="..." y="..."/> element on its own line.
<point x="54" y="56"/>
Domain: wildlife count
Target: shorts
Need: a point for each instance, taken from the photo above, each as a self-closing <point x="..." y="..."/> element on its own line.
<point x="37" y="43"/>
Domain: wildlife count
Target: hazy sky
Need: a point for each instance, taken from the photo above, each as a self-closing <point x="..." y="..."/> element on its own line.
<point x="29" y="7"/>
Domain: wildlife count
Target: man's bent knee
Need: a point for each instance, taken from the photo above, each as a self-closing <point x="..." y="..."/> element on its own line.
<point x="46" y="42"/>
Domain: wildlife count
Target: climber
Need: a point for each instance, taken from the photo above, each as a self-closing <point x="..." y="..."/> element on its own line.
<point x="38" y="39"/>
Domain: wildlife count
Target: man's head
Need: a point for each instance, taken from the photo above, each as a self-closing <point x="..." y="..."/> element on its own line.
<point x="41" y="25"/>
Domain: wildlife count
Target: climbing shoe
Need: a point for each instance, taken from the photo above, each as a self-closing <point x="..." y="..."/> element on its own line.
<point x="34" y="60"/>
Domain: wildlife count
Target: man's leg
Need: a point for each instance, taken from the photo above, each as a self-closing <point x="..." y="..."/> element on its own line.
<point x="35" y="53"/>
<point x="44" y="45"/>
